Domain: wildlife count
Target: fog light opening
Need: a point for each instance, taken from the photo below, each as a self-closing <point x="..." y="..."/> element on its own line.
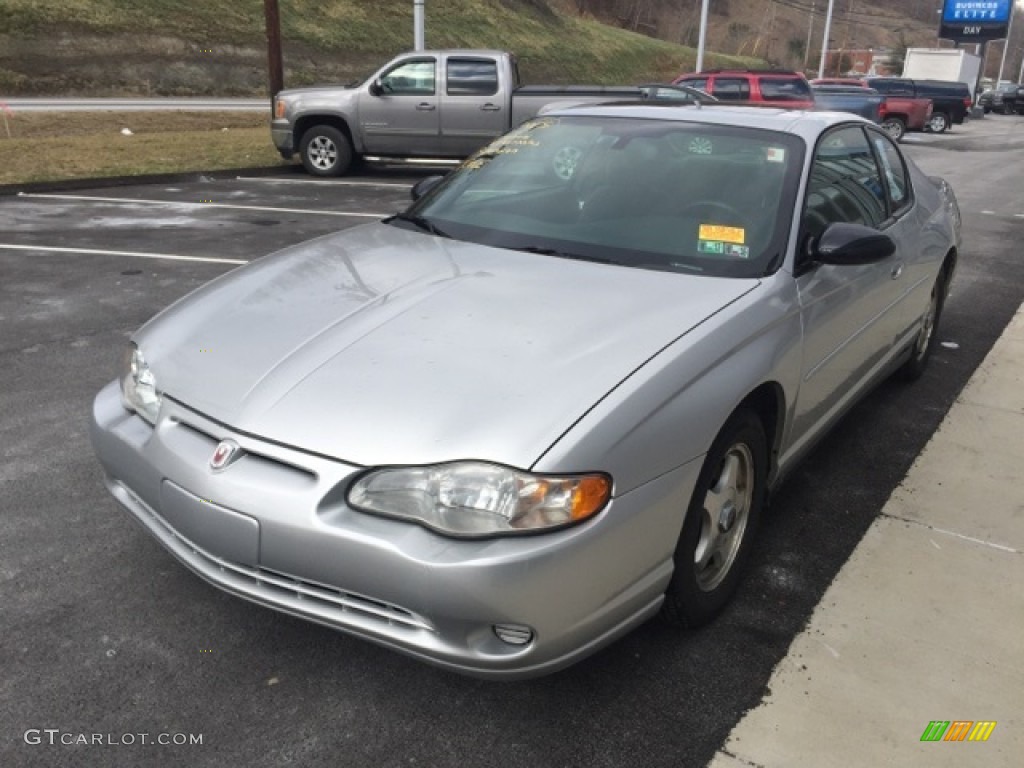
<point x="513" y="634"/>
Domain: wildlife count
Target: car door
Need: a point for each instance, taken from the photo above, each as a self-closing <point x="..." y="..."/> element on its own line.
<point x="850" y="314"/>
<point x="473" y="110"/>
<point x="402" y="116"/>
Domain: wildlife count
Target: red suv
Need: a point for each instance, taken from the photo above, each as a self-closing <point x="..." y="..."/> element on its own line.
<point x="780" y="87"/>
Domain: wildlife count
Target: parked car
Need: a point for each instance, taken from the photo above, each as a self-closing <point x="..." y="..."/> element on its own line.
<point x="762" y="86"/>
<point x="499" y="429"/>
<point x="951" y="100"/>
<point x="1003" y="98"/>
<point x="426" y="104"/>
<point x="866" y="102"/>
<point x="898" y="114"/>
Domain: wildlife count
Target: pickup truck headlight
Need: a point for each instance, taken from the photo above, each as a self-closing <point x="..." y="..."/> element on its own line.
<point x="139" y="392"/>
<point x="476" y="499"/>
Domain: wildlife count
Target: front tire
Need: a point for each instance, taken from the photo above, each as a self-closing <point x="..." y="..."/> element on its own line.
<point x="325" y="151"/>
<point x="720" y="523"/>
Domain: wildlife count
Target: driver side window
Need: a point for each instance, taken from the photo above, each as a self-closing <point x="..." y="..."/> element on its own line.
<point x="411" y="78"/>
<point x="845" y="184"/>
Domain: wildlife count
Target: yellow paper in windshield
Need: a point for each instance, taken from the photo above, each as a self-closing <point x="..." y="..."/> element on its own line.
<point x="722" y="233"/>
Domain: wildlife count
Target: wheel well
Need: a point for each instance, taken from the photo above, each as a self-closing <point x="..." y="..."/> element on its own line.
<point x="306" y="122"/>
<point x="769" y="403"/>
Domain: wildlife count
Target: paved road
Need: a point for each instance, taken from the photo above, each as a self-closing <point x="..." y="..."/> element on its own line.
<point x="45" y="104"/>
<point x="105" y="634"/>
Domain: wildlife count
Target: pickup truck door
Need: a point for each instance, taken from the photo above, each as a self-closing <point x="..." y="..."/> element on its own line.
<point x="852" y="315"/>
<point x="405" y="118"/>
<point x="474" y="108"/>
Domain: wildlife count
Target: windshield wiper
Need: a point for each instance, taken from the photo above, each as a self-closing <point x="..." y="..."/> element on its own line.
<point x="420" y="222"/>
<point x="563" y="254"/>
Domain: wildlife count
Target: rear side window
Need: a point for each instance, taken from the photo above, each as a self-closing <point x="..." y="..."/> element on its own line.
<point x="731" y="88"/>
<point x="785" y="89"/>
<point x="472" y="77"/>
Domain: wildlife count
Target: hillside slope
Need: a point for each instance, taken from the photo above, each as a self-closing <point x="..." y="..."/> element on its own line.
<point x="217" y="47"/>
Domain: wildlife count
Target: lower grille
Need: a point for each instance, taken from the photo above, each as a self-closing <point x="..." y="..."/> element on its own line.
<point x="337" y="605"/>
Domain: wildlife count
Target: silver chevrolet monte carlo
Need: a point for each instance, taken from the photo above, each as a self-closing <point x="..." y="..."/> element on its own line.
<point x="545" y="403"/>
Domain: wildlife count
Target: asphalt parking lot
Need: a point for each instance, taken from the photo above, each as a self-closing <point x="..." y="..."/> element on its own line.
<point x="104" y="633"/>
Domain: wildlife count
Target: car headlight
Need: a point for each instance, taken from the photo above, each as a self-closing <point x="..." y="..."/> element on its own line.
<point x="139" y="392"/>
<point x="477" y="499"/>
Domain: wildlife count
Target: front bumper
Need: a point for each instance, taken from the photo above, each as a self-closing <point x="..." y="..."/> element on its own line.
<point x="273" y="528"/>
<point x="282" y="135"/>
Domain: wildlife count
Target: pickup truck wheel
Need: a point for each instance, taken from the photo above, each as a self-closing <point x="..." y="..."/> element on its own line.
<point x="895" y="127"/>
<point x="720" y="522"/>
<point x="938" y="122"/>
<point x="325" y="151"/>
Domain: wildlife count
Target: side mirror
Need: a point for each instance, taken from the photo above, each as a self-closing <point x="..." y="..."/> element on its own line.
<point x="845" y="244"/>
<point x="376" y="88"/>
<point x="423" y="186"/>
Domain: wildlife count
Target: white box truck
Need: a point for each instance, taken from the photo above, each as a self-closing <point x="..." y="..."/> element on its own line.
<point x="943" y="64"/>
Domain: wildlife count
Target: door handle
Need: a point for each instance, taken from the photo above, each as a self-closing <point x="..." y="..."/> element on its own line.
<point x="490" y="107"/>
<point x="425" y="107"/>
<point x="897" y="270"/>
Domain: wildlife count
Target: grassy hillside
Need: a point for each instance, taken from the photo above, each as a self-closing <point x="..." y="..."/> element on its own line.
<point x="217" y="47"/>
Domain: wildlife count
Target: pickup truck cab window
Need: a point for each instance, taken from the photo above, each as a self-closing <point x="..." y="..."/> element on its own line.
<point x="472" y="77"/>
<point x="412" y="78"/>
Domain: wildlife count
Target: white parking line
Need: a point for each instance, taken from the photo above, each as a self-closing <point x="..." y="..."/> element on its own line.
<point x="326" y="182"/>
<point x="136" y="254"/>
<point x="130" y="200"/>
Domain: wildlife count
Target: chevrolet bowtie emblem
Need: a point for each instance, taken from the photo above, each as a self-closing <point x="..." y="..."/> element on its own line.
<point x="227" y="451"/>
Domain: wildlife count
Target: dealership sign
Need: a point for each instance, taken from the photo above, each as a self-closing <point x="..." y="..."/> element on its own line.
<point x="972" y="21"/>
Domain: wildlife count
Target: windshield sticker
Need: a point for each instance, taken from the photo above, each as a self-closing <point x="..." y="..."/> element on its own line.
<point x="775" y="154"/>
<point x="718" y="248"/>
<point x="722" y="233"/>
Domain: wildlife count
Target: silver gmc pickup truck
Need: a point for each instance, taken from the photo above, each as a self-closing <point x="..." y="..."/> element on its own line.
<point x="427" y="104"/>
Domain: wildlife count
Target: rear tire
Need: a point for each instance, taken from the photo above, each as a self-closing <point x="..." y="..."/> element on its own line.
<point x="720" y="523"/>
<point x="938" y="122"/>
<point x="325" y="151"/>
<point x="895" y="127"/>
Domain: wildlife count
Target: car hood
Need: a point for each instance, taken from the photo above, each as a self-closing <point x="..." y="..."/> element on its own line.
<point x="379" y="345"/>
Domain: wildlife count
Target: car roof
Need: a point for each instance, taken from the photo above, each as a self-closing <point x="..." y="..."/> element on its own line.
<point x="808" y="124"/>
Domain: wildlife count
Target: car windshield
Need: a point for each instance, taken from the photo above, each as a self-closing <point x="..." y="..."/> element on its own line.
<point x="660" y="194"/>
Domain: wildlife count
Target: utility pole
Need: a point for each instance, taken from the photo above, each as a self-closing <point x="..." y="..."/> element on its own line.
<point x="824" y="39"/>
<point x="418" y="24"/>
<point x="1006" y="44"/>
<point x="810" y="31"/>
<point x="703" y="34"/>
<point x="274" y="60"/>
